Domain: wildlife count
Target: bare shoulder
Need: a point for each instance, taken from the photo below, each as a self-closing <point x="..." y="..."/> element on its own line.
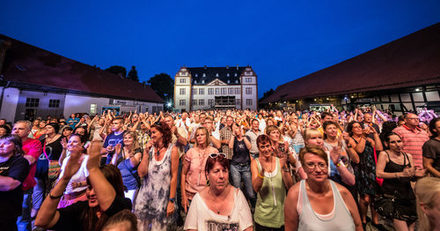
<point x="342" y="190"/>
<point x="293" y="191"/>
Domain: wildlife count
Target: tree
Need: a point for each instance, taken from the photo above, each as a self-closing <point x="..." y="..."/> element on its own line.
<point x="266" y="94"/>
<point x="163" y="85"/>
<point x="117" y="70"/>
<point x="133" y="75"/>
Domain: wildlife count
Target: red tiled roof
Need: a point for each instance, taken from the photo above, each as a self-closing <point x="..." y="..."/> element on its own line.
<point x="28" y="64"/>
<point x="413" y="60"/>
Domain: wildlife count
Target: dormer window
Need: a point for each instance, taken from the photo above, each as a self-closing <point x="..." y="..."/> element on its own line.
<point x="197" y="75"/>
<point x="227" y="75"/>
<point x="204" y="75"/>
<point x="235" y="75"/>
<point x="229" y="81"/>
<point x="216" y="75"/>
<point x="203" y="81"/>
<point x="236" y="81"/>
<point x="195" y="81"/>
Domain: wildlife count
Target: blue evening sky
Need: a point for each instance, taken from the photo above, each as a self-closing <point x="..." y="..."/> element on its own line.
<point x="281" y="40"/>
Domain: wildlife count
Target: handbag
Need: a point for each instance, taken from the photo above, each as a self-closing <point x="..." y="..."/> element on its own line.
<point x="384" y="205"/>
<point x="42" y="166"/>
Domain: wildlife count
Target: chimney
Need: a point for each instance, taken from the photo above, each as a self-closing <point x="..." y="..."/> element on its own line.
<point x="205" y="67"/>
<point x="237" y="67"/>
<point x="227" y="66"/>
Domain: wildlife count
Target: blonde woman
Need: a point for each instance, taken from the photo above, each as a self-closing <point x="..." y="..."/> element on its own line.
<point x="127" y="158"/>
<point x="428" y="203"/>
<point x="193" y="179"/>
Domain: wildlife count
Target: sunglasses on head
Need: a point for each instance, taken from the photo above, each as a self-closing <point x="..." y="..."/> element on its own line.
<point x="215" y="155"/>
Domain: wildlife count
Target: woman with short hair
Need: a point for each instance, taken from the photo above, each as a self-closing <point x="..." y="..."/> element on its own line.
<point x="220" y="206"/>
<point x="318" y="203"/>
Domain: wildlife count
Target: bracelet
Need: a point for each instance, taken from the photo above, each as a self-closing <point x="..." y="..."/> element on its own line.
<point x="262" y="177"/>
<point x="172" y="200"/>
<point x="55" y="197"/>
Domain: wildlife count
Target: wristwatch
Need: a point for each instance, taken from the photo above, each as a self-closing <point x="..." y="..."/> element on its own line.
<point x="172" y="200"/>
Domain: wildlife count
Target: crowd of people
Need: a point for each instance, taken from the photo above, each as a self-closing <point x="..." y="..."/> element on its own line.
<point x="222" y="170"/>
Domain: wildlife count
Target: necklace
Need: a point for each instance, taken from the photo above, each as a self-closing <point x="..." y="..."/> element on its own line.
<point x="214" y="197"/>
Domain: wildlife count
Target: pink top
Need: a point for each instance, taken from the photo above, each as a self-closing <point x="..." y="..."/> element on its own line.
<point x="196" y="177"/>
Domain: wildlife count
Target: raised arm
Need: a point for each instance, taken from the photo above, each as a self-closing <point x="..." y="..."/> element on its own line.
<point x="105" y="193"/>
<point x="48" y="215"/>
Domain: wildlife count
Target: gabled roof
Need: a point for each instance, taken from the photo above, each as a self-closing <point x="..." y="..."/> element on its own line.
<point x="29" y="65"/>
<point x="413" y="60"/>
<point x="205" y="75"/>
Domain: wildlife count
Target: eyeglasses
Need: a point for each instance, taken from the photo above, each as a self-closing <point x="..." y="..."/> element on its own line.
<point x="413" y="118"/>
<point x="312" y="166"/>
<point x="215" y="155"/>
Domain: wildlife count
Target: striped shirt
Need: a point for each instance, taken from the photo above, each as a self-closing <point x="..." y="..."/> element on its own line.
<point x="413" y="140"/>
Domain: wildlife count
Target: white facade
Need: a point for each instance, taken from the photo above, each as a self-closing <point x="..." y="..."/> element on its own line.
<point x="190" y="95"/>
<point x="26" y="104"/>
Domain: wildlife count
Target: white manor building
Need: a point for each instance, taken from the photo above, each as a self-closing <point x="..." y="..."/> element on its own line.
<point x="198" y="88"/>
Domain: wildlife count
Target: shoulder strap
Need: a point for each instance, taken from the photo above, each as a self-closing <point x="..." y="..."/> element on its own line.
<point x="258" y="164"/>
<point x="388" y="155"/>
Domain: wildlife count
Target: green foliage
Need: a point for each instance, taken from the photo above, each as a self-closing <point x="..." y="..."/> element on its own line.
<point x="267" y="94"/>
<point x="133" y="75"/>
<point x="163" y="85"/>
<point x="117" y="70"/>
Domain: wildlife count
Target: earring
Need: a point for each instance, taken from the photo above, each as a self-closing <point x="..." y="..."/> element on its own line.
<point x="207" y="182"/>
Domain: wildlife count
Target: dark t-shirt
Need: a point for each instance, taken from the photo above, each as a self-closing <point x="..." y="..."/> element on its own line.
<point x="17" y="167"/>
<point x="431" y="150"/>
<point x="71" y="217"/>
<point x="241" y="152"/>
<point x="54" y="149"/>
<point x="113" y="140"/>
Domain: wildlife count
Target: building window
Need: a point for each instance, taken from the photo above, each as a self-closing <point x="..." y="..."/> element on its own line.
<point x="248" y="80"/>
<point x="182" y="102"/>
<point x="182" y="80"/>
<point x="238" y="102"/>
<point x="248" y="102"/>
<point x="229" y="81"/>
<point x="236" y="81"/>
<point x="237" y="91"/>
<point x="217" y="91"/>
<point x="210" y="102"/>
<point x="210" y="91"/>
<point x="231" y="91"/>
<point x="248" y="91"/>
<point x="93" y="108"/>
<point x="32" y="102"/>
<point x="227" y="75"/>
<point x="194" y="102"/>
<point x="235" y="75"/>
<point x="182" y="91"/>
<point x="54" y="103"/>
<point x="201" y="102"/>
<point x="194" y="91"/>
<point x="197" y="75"/>
<point x="204" y="75"/>
<point x="224" y="91"/>
<point x="201" y="91"/>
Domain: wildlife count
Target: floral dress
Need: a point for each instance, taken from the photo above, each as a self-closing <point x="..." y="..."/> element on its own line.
<point x="365" y="171"/>
<point x="151" y="202"/>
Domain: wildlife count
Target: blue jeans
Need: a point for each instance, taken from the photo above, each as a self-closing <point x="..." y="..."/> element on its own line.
<point x="242" y="173"/>
<point x="24" y="221"/>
